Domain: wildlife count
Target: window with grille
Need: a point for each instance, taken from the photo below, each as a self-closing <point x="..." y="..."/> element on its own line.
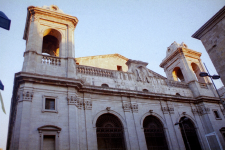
<point x="189" y="135"/>
<point x="110" y="134"/>
<point x="154" y="134"/>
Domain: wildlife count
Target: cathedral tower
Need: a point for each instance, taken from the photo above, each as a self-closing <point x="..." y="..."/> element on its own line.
<point x="49" y="35"/>
<point x="184" y="65"/>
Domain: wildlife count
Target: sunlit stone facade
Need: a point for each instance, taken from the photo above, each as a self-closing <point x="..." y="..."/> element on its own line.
<point x="107" y="101"/>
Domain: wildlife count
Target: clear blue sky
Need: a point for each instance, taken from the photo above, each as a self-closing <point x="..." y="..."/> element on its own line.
<point x="137" y="29"/>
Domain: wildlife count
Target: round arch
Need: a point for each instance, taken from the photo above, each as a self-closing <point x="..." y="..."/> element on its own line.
<point x="110" y="132"/>
<point x="51" y="41"/>
<point x="123" y="122"/>
<point x="155" y="115"/>
<point x="46" y="30"/>
<point x="155" y="133"/>
<point x="177" y="74"/>
<point x="189" y="134"/>
<point x="189" y="117"/>
<point x="196" y="71"/>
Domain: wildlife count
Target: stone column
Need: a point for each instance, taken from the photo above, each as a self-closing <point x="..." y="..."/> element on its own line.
<point x="24" y="116"/>
<point x="73" y="126"/>
<point x="33" y="47"/>
<point x="71" y="64"/>
<point x="91" y="134"/>
<point x="175" y="139"/>
<point x="138" y="128"/>
<point x="130" y="124"/>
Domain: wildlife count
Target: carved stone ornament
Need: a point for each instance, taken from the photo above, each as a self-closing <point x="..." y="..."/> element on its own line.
<point x="167" y="110"/>
<point x="74" y="100"/>
<point x="150" y="111"/>
<point x="202" y="110"/>
<point x="194" y="111"/>
<point x="108" y="108"/>
<point x="26" y="96"/>
<point x="134" y="107"/>
<point x="88" y="104"/>
<point x="126" y="107"/>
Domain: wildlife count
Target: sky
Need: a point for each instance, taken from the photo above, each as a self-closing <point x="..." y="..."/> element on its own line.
<point x="137" y="29"/>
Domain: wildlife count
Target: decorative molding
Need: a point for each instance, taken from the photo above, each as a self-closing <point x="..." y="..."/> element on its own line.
<point x="88" y="105"/>
<point x="167" y="110"/>
<point x="202" y="110"/>
<point x="194" y="111"/>
<point x="134" y="107"/>
<point x="74" y="100"/>
<point x="25" y="96"/>
<point x="126" y="106"/>
<point x="108" y="108"/>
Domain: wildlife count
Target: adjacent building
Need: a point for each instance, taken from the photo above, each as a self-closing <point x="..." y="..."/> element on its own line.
<point x="107" y="101"/>
<point x="212" y="35"/>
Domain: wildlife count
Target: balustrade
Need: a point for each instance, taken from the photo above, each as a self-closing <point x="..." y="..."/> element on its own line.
<point x="48" y="60"/>
<point x="94" y="71"/>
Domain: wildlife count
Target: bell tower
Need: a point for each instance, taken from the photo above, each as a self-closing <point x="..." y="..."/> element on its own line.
<point x="49" y="35"/>
<point x="184" y="65"/>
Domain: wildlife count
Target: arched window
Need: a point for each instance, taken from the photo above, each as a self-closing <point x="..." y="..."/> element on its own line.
<point x="51" y="42"/>
<point x="105" y="85"/>
<point x="145" y="90"/>
<point x="178" y="94"/>
<point x="154" y="134"/>
<point x="109" y="133"/>
<point x="197" y="71"/>
<point x="178" y="75"/>
<point x="189" y="134"/>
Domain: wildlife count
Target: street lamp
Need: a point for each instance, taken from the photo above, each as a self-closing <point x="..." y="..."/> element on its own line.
<point x="181" y="122"/>
<point x="205" y="74"/>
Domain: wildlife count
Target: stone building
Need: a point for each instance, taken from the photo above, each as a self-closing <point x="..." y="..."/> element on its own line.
<point x="107" y="101"/>
<point x="212" y="35"/>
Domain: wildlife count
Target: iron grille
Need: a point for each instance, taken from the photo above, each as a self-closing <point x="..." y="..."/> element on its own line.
<point x="109" y="133"/>
<point x="154" y="134"/>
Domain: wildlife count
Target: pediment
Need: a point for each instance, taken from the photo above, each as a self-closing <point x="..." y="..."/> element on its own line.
<point x="49" y="128"/>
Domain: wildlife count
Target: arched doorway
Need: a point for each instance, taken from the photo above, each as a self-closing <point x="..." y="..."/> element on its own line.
<point x="154" y="134"/>
<point x="178" y="75"/>
<point x="51" y="42"/>
<point x="109" y="133"/>
<point x="189" y="134"/>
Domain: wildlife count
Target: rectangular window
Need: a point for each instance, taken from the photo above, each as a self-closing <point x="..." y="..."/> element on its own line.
<point x="50" y="104"/>
<point x="77" y="63"/>
<point x="119" y="68"/>
<point x="216" y="114"/>
<point x="49" y="142"/>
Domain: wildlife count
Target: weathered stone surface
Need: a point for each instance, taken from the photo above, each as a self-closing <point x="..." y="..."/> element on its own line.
<point x="81" y="95"/>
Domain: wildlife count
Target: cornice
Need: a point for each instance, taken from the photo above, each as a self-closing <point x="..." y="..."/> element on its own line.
<point x="186" y="52"/>
<point x="209" y="24"/>
<point x="32" y="10"/>
<point x="136" y="62"/>
<point x="103" y="56"/>
<point x="22" y="77"/>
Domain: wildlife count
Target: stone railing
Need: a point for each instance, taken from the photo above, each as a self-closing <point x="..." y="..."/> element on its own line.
<point x="95" y="71"/>
<point x="203" y="85"/>
<point x="176" y="84"/>
<point x="51" y="60"/>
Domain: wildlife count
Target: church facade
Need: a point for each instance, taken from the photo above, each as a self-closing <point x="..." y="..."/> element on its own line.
<point x="108" y="102"/>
